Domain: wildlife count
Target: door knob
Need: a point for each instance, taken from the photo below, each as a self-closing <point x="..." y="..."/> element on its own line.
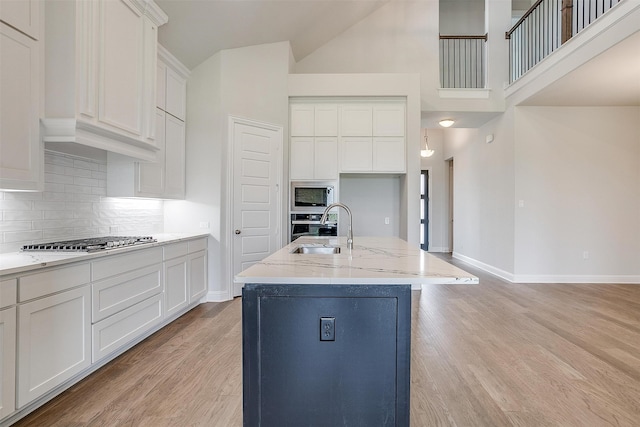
<point x="238" y="231"/>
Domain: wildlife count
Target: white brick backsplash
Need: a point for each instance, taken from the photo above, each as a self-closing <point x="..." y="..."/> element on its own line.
<point x="58" y="179"/>
<point x="73" y="205"/>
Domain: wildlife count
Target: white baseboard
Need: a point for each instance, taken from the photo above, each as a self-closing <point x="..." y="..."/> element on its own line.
<point x="542" y="278"/>
<point x="217" y="296"/>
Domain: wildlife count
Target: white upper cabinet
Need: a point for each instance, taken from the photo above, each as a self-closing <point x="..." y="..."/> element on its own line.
<point x="21" y="154"/>
<point x="389" y="119"/>
<point x="106" y="56"/>
<point x="372" y="138"/>
<point x="314" y="142"/>
<point x="23" y="15"/>
<point x="164" y="177"/>
<point x="356" y="120"/>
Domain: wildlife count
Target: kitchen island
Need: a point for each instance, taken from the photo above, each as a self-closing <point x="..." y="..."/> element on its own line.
<point x="327" y="336"/>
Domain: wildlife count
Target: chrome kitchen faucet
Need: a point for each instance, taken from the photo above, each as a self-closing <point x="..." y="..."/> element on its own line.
<point x="350" y="230"/>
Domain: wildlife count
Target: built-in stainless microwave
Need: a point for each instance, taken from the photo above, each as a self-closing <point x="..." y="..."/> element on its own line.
<point x="311" y="196"/>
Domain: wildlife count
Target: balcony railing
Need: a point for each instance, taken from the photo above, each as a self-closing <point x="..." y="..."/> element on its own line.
<point x="545" y="26"/>
<point x="462" y="61"/>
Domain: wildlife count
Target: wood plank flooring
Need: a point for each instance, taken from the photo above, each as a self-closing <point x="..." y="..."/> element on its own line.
<point x="493" y="354"/>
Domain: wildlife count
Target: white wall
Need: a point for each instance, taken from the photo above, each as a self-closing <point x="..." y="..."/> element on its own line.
<point x="578" y="175"/>
<point x="483" y="212"/>
<point x="249" y="83"/>
<point x="402" y="37"/>
<point x="462" y="17"/>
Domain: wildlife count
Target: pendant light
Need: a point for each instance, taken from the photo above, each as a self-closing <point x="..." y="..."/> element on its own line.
<point x="426" y="152"/>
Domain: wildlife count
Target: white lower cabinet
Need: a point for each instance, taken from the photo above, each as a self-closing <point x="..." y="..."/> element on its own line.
<point x="197" y="276"/>
<point x="54" y="341"/>
<point x="7" y="361"/>
<point x="125" y="326"/>
<point x="176" y="282"/>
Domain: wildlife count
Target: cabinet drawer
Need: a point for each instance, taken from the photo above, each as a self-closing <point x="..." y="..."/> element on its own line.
<point x="124" y="327"/>
<point x="114" y="265"/>
<point x="197" y="245"/>
<point x="8" y="292"/>
<point x="52" y="281"/>
<point x="117" y="293"/>
<point x="176" y="250"/>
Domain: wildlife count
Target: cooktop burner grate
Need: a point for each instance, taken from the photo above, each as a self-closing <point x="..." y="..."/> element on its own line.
<point x="89" y="245"/>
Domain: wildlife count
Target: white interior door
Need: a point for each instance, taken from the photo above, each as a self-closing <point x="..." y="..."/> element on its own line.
<point x="257" y="156"/>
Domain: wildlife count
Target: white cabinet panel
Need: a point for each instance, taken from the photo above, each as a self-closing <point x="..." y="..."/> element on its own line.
<point x="174" y="158"/>
<point x="326" y="120"/>
<point x="176" y="282"/>
<point x="389" y="154"/>
<point x="125" y="326"/>
<point x="197" y="276"/>
<point x="118" y="264"/>
<point x="356" y="154"/>
<point x="176" y="250"/>
<point x="389" y="119"/>
<point x="325" y="165"/>
<point x="356" y="120"/>
<point x="7" y="361"/>
<point x="302" y="158"/>
<point x="23" y="15"/>
<point x="150" y="176"/>
<point x="54" y="342"/>
<point x="302" y="120"/>
<point x="176" y="92"/>
<point x="121" y="66"/>
<point x="197" y="245"/>
<point x="21" y="155"/>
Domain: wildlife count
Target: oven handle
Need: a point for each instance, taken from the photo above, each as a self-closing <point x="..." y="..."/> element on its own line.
<point x="296" y="222"/>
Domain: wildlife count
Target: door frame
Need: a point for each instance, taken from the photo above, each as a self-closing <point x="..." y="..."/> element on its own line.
<point x="228" y="246"/>
<point x="429" y="212"/>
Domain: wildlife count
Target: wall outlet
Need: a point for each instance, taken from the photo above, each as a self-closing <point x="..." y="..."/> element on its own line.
<point x="327" y="329"/>
<point x="585" y="255"/>
<point x="204" y="224"/>
<point x="386" y="220"/>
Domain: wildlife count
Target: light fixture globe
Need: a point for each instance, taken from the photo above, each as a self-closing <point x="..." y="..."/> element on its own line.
<point x="445" y="123"/>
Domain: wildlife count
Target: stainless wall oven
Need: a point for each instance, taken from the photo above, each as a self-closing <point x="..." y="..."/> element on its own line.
<point x="309" y="225"/>
<point x="311" y="196"/>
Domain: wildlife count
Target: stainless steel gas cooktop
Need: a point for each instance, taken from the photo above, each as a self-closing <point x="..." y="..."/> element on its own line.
<point x="90" y="245"/>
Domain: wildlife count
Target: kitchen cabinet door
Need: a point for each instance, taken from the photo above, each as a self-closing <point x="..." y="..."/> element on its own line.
<point x="197" y="276"/>
<point x="325" y="120"/>
<point x="8" y="361"/>
<point x="21" y="153"/>
<point x="150" y="175"/>
<point x="302" y="158"/>
<point x="174" y="186"/>
<point x="325" y="158"/>
<point x="389" y="154"/>
<point x="356" y="154"/>
<point x="54" y="342"/>
<point x="176" y="93"/>
<point x="23" y="15"/>
<point x="389" y="119"/>
<point x="176" y="282"/>
<point x="121" y="67"/>
<point x="356" y="120"/>
<point x="161" y="85"/>
<point x="302" y="120"/>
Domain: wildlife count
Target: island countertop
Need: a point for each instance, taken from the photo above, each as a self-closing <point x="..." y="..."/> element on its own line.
<point x="373" y="260"/>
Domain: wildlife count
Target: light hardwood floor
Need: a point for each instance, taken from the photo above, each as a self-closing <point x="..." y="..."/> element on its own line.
<point x="493" y="354"/>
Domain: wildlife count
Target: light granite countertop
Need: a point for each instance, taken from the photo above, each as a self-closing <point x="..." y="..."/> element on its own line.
<point x="20" y="262"/>
<point x="373" y="260"/>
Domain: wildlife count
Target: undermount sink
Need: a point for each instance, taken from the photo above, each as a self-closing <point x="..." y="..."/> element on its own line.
<point x="316" y="250"/>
